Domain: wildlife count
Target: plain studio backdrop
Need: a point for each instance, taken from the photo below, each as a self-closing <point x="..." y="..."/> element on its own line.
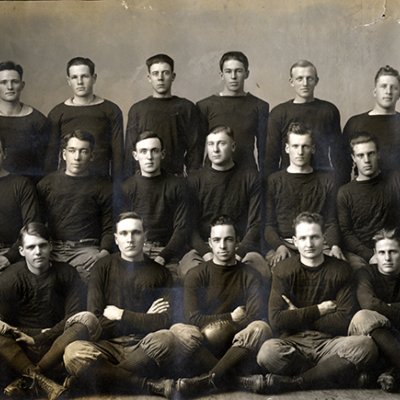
<point x="347" y="40"/>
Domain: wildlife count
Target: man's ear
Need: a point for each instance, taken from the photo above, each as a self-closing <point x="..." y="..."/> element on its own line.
<point x="294" y="240"/>
<point x="247" y="74"/>
<point x="163" y="153"/>
<point x="173" y="76"/>
<point x="313" y="149"/>
<point x="21" y="251"/>
<point x="135" y="155"/>
<point x="64" y="154"/>
<point x="287" y="148"/>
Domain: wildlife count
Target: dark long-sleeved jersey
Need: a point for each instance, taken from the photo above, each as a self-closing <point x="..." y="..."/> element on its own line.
<point x="26" y="139"/>
<point x="379" y="292"/>
<point x="306" y="287"/>
<point x="40" y="301"/>
<point x="132" y="287"/>
<point x="386" y="128"/>
<point x="77" y="207"/>
<point x="235" y="192"/>
<point x="176" y="121"/>
<point x="212" y="292"/>
<point x="162" y="203"/>
<point x="18" y="206"/>
<point x="365" y="207"/>
<point x="322" y="118"/>
<point x="289" y="194"/>
<point x="247" y="116"/>
<point x="103" y="121"/>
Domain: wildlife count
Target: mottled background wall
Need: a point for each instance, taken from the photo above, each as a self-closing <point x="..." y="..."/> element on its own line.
<point x="348" y="40"/>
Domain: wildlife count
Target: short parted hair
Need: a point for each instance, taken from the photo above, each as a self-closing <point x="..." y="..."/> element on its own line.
<point x="81" y="61"/>
<point x="222" y="220"/>
<point x="392" y="234"/>
<point x="303" y="64"/>
<point x="226" y="129"/>
<point x="363" y="137"/>
<point x="81" y="135"/>
<point x="148" y="135"/>
<point x="311" y="218"/>
<point x="160" y="58"/>
<point x="11" y="65"/>
<point x="234" y="55"/>
<point x="35" y="229"/>
<point x="299" y="129"/>
<point x="387" y="70"/>
<point x="128" y="215"/>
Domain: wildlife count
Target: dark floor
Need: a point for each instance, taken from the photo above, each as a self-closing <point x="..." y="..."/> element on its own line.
<point x="307" y="395"/>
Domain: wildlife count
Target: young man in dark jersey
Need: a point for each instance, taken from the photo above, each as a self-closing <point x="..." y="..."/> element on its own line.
<point x="383" y="120"/>
<point x="78" y="206"/>
<point x="311" y="304"/>
<point x="245" y="114"/>
<point x="40" y="314"/>
<point x="225" y="188"/>
<point x="378" y="293"/>
<point x="137" y="342"/>
<point x="160" y="199"/>
<point x="321" y="116"/>
<point x="175" y="119"/>
<point x="25" y="129"/>
<point x="368" y="203"/>
<point x="88" y="112"/>
<point x="295" y="189"/>
<point x="228" y="302"/>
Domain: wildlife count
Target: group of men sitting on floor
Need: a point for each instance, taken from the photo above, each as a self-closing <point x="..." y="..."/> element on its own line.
<point x="128" y="340"/>
<point x="99" y="307"/>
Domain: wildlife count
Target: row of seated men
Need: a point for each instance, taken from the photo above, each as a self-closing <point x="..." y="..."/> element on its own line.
<point x="77" y="206"/>
<point x="319" y="326"/>
<point x="34" y="140"/>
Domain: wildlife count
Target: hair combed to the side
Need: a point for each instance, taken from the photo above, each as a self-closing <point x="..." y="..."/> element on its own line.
<point x="310" y="218"/>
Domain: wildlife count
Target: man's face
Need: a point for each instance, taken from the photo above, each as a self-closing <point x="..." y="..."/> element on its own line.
<point x="149" y="155"/>
<point x="234" y="74"/>
<point x="223" y="244"/>
<point x="11" y="85"/>
<point x="387" y="92"/>
<point x="220" y="148"/>
<point x="309" y="240"/>
<point x="129" y="238"/>
<point x="77" y="156"/>
<point x="36" y="251"/>
<point x="304" y="80"/>
<point x="161" y="77"/>
<point x="300" y="149"/>
<point x="387" y="252"/>
<point x="81" y="80"/>
<point x="366" y="157"/>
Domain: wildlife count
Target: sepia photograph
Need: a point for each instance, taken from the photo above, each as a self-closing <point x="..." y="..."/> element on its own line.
<point x="200" y="199"/>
